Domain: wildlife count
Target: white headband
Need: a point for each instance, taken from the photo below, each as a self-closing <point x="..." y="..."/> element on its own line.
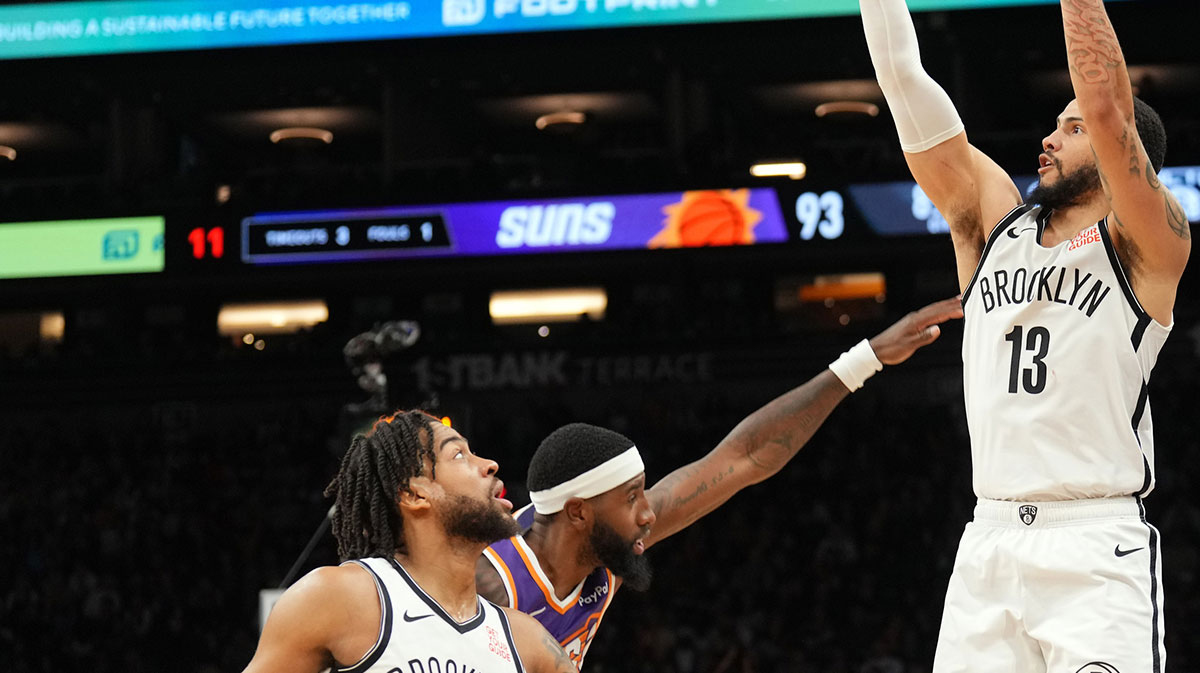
<point x="604" y="477"/>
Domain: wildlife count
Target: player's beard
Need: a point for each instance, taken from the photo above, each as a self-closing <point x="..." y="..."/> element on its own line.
<point x="1071" y="189"/>
<point x="616" y="554"/>
<point x="474" y="521"/>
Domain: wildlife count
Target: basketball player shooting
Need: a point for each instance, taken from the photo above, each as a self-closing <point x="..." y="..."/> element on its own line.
<point x="1067" y="299"/>
<point x="415" y="507"/>
<point x="592" y="517"/>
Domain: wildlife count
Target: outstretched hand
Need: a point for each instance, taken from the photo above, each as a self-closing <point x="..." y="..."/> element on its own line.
<point x="919" y="328"/>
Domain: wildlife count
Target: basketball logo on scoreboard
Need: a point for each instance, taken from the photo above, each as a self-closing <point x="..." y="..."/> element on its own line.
<point x="713" y="217"/>
<point x="463" y="12"/>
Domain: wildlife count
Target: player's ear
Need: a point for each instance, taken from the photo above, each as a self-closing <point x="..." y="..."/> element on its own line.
<point x="579" y="513"/>
<point x="417" y="495"/>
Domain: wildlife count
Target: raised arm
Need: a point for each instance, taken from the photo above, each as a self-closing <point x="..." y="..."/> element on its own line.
<point x="1150" y="223"/>
<point x="768" y="438"/>
<point x="968" y="188"/>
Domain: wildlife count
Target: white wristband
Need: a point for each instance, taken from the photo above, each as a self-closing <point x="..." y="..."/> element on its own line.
<point x="856" y="365"/>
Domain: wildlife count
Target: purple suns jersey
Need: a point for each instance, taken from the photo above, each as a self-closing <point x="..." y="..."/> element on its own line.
<point x="572" y="620"/>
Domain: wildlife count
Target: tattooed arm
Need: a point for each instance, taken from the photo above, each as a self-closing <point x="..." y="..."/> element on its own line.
<point x="1152" y="230"/>
<point x="768" y="438"/>
<point x="540" y="652"/>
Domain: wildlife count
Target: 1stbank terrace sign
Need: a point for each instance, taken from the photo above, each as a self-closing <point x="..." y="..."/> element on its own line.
<point x="550" y="369"/>
<point x="128" y="26"/>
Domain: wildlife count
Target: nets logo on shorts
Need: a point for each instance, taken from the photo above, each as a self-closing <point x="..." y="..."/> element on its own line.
<point x="1098" y="667"/>
<point x="1028" y="514"/>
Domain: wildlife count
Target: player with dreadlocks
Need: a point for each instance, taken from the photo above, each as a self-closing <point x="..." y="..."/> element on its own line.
<point x="592" y="517"/>
<point x="414" y="509"/>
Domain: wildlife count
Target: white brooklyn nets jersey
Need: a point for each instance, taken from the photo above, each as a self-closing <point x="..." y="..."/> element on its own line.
<point x="1057" y="353"/>
<point x="417" y="636"/>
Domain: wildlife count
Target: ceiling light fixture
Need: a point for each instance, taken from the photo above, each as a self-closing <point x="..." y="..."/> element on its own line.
<point x="52" y="326"/>
<point x="777" y="169"/>
<point x="236" y="320"/>
<point x="545" y="306"/>
<point x="844" y="287"/>
<point x="301" y="132"/>
<point x="566" y="117"/>
<point x="8" y="153"/>
<point x="847" y="106"/>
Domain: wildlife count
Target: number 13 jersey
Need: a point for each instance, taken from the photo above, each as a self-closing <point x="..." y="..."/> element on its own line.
<point x="1057" y="353"/>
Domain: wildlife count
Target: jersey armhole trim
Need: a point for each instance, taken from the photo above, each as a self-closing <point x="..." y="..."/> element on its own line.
<point x="999" y="229"/>
<point x="508" y="636"/>
<point x="506" y="578"/>
<point x="385" y="625"/>
<point x="1136" y="421"/>
<point x="1122" y="277"/>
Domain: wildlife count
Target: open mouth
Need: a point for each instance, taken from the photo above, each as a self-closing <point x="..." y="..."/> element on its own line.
<point x="639" y="545"/>
<point x="1045" y="163"/>
<point x="499" y="492"/>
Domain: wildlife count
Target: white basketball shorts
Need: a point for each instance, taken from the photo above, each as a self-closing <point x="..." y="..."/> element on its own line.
<point x="1058" y="587"/>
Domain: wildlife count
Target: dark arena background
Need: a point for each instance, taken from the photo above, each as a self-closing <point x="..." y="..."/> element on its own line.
<point x="228" y="248"/>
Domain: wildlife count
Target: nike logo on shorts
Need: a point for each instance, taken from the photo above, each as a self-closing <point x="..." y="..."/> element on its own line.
<point x="1125" y="552"/>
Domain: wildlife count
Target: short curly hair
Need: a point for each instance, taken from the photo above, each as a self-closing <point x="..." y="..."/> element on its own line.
<point x="1152" y="132"/>
<point x="570" y="451"/>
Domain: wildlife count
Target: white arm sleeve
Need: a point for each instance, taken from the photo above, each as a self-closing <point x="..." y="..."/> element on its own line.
<point x="924" y="115"/>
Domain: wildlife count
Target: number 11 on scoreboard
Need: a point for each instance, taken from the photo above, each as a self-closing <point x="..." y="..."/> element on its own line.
<point x="207" y="242"/>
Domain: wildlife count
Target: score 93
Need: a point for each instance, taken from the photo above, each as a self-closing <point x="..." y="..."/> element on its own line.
<point x="820" y="214"/>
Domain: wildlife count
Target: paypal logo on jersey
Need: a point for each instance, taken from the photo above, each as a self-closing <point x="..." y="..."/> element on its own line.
<point x="556" y="224"/>
<point x="598" y="593"/>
